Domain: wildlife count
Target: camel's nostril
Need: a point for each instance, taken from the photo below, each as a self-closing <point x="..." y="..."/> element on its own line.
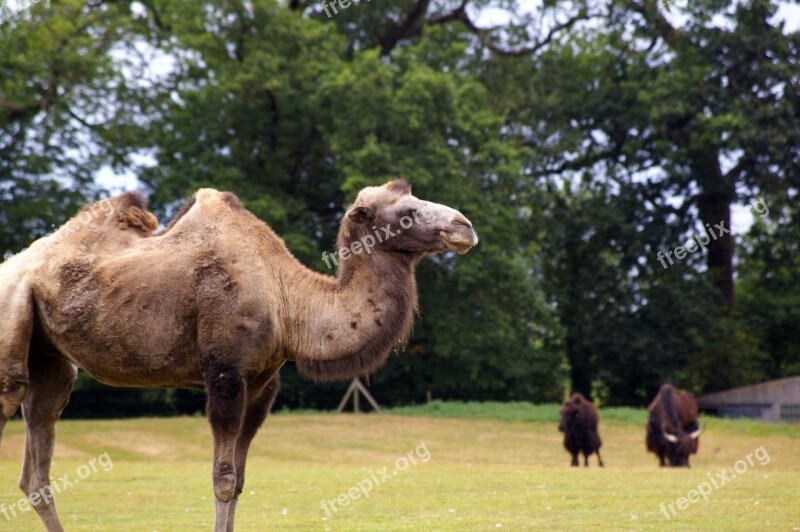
<point x="462" y="221"/>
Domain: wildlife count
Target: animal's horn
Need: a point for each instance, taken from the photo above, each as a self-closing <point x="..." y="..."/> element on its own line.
<point x="669" y="437"/>
<point x="696" y="434"/>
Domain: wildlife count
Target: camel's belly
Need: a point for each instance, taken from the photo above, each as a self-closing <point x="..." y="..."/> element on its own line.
<point x="139" y="377"/>
<point x="132" y="336"/>
<point x="112" y="363"/>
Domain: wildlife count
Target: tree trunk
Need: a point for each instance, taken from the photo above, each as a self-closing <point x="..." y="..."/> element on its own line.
<point x="716" y="208"/>
<point x="714" y="205"/>
<point x="579" y="369"/>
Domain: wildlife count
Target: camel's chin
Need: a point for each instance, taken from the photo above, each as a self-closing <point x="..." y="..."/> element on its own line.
<point x="458" y="242"/>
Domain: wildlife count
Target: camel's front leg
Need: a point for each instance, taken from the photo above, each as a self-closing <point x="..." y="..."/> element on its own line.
<point x="226" y="403"/>
<point x="259" y="402"/>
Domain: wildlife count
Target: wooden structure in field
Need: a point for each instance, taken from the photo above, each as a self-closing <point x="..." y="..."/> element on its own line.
<point x="356" y="388"/>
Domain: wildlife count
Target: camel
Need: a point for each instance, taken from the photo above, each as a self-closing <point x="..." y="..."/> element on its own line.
<point x="216" y="302"/>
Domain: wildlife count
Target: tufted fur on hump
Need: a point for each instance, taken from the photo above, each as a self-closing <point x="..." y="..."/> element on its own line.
<point x="131" y="208"/>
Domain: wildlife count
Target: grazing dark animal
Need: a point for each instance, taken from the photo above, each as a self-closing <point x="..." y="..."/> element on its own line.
<point x="672" y="430"/>
<point x="579" y="424"/>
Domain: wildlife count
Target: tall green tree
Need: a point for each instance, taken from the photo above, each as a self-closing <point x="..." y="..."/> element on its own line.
<point x="279" y="108"/>
<point x="683" y="120"/>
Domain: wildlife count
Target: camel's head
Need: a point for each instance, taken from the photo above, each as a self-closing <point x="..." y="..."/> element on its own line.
<point x="390" y="218"/>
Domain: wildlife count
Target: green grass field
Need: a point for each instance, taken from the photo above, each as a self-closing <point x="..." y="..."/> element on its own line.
<point x="489" y="466"/>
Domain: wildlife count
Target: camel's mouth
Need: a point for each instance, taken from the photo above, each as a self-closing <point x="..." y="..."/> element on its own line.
<point x="461" y="240"/>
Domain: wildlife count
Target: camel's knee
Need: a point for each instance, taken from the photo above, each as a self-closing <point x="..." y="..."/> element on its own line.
<point x="11" y="396"/>
<point x="225" y="483"/>
<point x="25" y="481"/>
<point x="37" y="490"/>
<point x="29" y="481"/>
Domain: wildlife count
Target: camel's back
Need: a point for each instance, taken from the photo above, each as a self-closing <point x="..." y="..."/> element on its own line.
<point x="118" y="233"/>
<point x="214" y="236"/>
<point x="26" y="260"/>
<point x="216" y="221"/>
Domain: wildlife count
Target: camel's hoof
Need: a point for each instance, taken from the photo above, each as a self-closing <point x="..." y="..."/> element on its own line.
<point x="224" y="487"/>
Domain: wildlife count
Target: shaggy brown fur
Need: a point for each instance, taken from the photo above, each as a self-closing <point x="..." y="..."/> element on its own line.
<point x="133" y="213"/>
<point x="579" y="420"/>
<point x="215" y="302"/>
<point x="672" y="426"/>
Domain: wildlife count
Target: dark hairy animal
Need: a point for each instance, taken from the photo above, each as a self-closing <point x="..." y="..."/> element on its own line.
<point x="672" y="428"/>
<point x="214" y="302"/>
<point x="579" y="421"/>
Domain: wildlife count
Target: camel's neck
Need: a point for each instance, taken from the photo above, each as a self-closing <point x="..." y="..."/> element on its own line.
<point x="338" y="328"/>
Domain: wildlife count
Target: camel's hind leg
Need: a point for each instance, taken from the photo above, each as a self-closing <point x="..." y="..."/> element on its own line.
<point x="16" y="327"/>
<point x="51" y="381"/>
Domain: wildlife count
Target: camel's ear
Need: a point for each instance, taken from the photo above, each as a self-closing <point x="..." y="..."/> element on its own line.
<point x="361" y="215"/>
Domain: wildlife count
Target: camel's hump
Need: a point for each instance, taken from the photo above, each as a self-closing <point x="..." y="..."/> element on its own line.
<point x="211" y="195"/>
<point x="212" y="201"/>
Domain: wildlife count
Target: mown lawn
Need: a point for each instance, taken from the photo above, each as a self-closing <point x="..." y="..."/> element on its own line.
<point x="486" y="467"/>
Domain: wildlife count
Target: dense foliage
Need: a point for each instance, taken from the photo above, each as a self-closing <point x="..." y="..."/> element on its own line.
<point x="583" y="139"/>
